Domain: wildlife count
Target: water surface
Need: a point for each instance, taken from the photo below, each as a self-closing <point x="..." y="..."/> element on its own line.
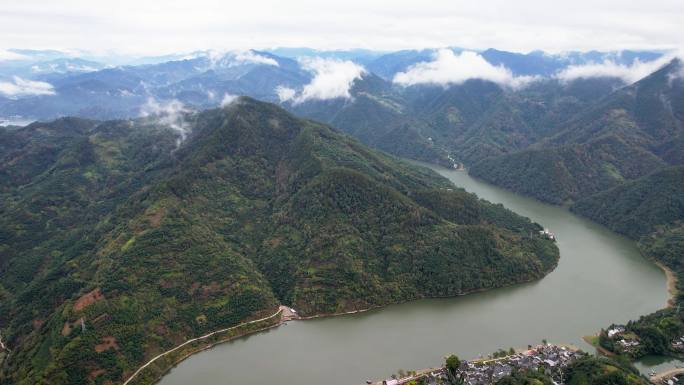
<point x="600" y="279"/>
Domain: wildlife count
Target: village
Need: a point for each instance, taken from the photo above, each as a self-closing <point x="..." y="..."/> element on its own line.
<point x="552" y="359"/>
<point x="626" y="342"/>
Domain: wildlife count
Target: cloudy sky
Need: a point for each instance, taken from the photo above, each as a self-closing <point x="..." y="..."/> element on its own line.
<point x="164" y="26"/>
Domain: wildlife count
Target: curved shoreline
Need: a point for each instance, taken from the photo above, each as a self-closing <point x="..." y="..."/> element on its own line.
<point x="597" y="346"/>
<point x="150" y="362"/>
<point x="284" y="318"/>
<point x="672" y="281"/>
<point x="475" y="291"/>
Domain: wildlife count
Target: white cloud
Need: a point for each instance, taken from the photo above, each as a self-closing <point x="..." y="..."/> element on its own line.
<point x="22" y="87"/>
<point x="159" y="26"/>
<point x="285" y="93"/>
<point x="228" y="99"/>
<point x="249" y="56"/>
<point x="677" y="74"/>
<point x="9" y="55"/>
<point x="609" y="68"/>
<point x="332" y="78"/>
<point x="222" y="58"/>
<point x="449" y="68"/>
<point x="171" y="113"/>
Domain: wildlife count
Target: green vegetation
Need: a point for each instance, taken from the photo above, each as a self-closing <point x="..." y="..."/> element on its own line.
<point x="115" y="245"/>
<point x="627" y="135"/>
<point x="452" y="363"/>
<point x="650" y="210"/>
<point x="567" y="173"/>
<point x="588" y="370"/>
<point x="638" y="208"/>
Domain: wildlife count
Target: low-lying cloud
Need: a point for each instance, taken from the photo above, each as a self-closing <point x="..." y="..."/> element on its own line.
<point x="9" y="55"/>
<point x="448" y="68"/>
<point x="677" y="73"/>
<point x="250" y="56"/>
<point x="23" y="87"/>
<point x="285" y="93"/>
<point x="332" y="79"/>
<point x="236" y="58"/>
<point x="171" y="114"/>
<point x="609" y="68"/>
<point x="228" y="99"/>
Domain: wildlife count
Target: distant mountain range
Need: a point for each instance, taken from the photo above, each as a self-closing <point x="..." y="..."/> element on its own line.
<point x="558" y="127"/>
<point x="70" y="84"/>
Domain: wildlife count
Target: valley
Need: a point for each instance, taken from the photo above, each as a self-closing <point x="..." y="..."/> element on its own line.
<point x="570" y="302"/>
<point x="153" y="213"/>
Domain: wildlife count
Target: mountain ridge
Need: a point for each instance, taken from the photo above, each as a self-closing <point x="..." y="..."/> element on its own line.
<point x="151" y="243"/>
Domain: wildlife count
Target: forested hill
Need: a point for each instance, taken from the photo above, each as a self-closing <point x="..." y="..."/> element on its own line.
<point x="639" y="207"/>
<point x="650" y="210"/>
<point x="121" y="239"/>
<point x="626" y="135"/>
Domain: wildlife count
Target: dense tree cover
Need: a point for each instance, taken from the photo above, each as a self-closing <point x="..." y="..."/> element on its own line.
<point x="467" y="122"/>
<point x="624" y="136"/>
<point x="639" y="207"/>
<point x="117" y="243"/>
<point x="588" y="370"/>
<point x="564" y="174"/>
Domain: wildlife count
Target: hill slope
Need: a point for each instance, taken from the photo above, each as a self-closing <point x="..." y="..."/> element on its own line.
<point x="639" y="207"/>
<point x="627" y="135"/>
<point x="117" y="244"/>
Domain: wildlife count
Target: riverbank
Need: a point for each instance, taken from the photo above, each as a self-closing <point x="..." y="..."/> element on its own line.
<point x="659" y="377"/>
<point x="671" y="283"/>
<point x="593" y="341"/>
<point x="283" y="315"/>
<point x="470" y="292"/>
<point x="489" y="370"/>
<point x="286" y="314"/>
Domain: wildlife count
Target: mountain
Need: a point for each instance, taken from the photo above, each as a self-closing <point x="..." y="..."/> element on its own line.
<point x="535" y="63"/>
<point x="465" y="122"/>
<point x="378" y="115"/>
<point x="122" y="239"/>
<point x="626" y="135"/>
<point x="565" y="174"/>
<point x="358" y="55"/>
<point x="199" y="81"/>
<point x="103" y="88"/>
<point x="637" y="208"/>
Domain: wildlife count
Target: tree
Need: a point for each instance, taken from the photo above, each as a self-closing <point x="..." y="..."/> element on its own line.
<point x="453" y="363"/>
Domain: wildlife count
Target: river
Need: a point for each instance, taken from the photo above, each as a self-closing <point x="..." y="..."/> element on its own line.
<point x="601" y="278"/>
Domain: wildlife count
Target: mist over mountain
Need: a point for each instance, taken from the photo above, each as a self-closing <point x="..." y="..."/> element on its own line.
<point x="100" y="87"/>
<point x="628" y="134"/>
